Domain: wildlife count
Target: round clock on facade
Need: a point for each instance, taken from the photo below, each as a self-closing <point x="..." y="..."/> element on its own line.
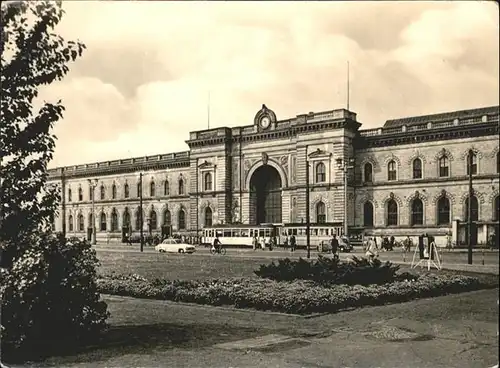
<point x="265" y="122"/>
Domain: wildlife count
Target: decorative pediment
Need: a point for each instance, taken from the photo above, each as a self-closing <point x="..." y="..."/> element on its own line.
<point x="206" y="165"/>
<point x="319" y="153"/>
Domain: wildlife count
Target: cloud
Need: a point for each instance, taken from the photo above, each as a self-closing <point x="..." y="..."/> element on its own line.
<point x="143" y="82"/>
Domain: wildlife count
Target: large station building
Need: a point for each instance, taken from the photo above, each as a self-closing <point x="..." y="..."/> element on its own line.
<point x="408" y="177"/>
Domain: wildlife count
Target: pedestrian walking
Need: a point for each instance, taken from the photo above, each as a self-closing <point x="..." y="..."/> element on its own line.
<point x="255" y="243"/>
<point x="262" y="243"/>
<point x="334" y="243"/>
<point x="285" y="243"/>
<point x="293" y="243"/>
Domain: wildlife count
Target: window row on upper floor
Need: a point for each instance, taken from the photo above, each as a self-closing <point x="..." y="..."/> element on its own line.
<point x="417" y="213"/>
<point x="443" y="168"/>
<point x="151" y="220"/>
<point x="181" y="190"/>
<point x="417" y="169"/>
<point x="207" y="187"/>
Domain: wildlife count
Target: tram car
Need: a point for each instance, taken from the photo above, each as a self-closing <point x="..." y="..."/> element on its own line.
<point x="238" y="235"/>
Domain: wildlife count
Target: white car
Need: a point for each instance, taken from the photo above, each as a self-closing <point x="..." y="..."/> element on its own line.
<point x="174" y="246"/>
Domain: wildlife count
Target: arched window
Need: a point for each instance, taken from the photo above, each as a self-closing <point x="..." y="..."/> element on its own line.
<point x="320" y="213"/>
<point x="103" y="221"/>
<point x="417" y="168"/>
<point x="70" y="222"/>
<point x="208" y="216"/>
<point x="126" y="191"/>
<point x="126" y="218"/>
<point x="114" y="220"/>
<point x="182" y="220"/>
<point x="152" y="189"/>
<point x="166" y="188"/>
<point x="368" y="214"/>
<point x="391" y="170"/>
<point x="167" y="218"/>
<point x="207" y="181"/>
<point x="320" y="172"/>
<point x="138" y="222"/>
<point x="80" y="194"/>
<point x="496" y="208"/>
<point x="474" y="164"/>
<point x="392" y="213"/>
<point x="443" y="211"/>
<point x="474" y="209"/>
<point x="139" y="189"/>
<point x="81" y="224"/>
<point x="368" y="172"/>
<point x="417" y="212"/>
<point x="69" y="195"/>
<point x="91" y="192"/>
<point x="181" y="187"/>
<point x="91" y="221"/>
<point x="153" y="220"/>
<point x="103" y="192"/>
<point x="444" y="167"/>
<point x="113" y="191"/>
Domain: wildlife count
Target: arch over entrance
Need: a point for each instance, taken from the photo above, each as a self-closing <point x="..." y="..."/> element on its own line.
<point x="265" y="195"/>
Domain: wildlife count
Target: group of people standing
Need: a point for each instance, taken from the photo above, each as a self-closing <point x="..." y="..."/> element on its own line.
<point x="260" y="242"/>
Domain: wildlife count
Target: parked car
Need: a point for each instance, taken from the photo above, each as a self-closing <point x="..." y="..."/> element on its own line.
<point x="172" y="245"/>
<point x="344" y="245"/>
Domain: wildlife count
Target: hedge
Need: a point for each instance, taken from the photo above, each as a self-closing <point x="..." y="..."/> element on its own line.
<point x="297" y="297"/>
<point x="328" y="271"/>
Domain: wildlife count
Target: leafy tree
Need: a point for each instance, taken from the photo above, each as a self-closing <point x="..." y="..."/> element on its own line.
<point x="32" y="55"/>
<point x="49" y="289"/>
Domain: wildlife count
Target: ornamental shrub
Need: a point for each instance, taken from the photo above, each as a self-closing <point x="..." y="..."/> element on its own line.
<point x="299" y="297"/>
<point x="357" y="271"/>
<point x="50" y="299"/>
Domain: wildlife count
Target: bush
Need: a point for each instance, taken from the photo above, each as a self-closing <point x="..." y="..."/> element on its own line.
<point x="358" y="271"/>
<point x="50" y="299"/>
<point x="299" y="297"/>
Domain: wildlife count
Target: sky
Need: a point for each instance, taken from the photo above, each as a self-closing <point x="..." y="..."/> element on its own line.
<point x="143" y="83"/>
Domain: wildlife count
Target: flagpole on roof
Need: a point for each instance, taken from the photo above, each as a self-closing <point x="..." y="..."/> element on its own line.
<point x="208" y="111"/>
<point x="348" y="86"/>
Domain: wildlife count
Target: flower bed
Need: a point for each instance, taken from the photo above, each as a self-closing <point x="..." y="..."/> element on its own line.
<point x="298" y="297"/>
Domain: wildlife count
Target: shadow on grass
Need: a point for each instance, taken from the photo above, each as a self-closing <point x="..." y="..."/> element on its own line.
<point x="138" y="339"/>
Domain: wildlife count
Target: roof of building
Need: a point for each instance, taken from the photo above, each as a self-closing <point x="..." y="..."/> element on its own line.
<point x="393" y="123"/>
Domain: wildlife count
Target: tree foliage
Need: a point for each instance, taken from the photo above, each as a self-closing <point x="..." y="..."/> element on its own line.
<point x="50" y="297"/>
<point x="32" y="55"/>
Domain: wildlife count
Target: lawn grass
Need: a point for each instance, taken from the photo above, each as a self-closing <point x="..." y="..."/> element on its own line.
<point x="188" y="267"/>
<point x="177" y="266"/>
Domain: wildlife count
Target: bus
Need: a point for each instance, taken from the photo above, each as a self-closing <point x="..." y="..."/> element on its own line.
<point x="238" y="235"/>
<point x="318" y="233"/>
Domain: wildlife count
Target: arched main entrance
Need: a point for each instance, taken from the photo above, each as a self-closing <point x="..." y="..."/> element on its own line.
<point x="265" y="195"/>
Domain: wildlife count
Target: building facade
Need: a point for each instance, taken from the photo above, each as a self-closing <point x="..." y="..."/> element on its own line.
<point x="408" y="177"/>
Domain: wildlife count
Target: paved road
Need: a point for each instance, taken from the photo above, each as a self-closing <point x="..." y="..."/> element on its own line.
<point x="449" y="331"/>
<point x="447" y="257"/>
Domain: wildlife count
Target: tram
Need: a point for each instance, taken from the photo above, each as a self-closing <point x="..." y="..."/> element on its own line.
<point x="242" y="235"/>
<point x="238" y="235"/>
<point x="318" y="233"/>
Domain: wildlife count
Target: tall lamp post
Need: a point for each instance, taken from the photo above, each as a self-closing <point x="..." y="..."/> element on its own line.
<point x="345" y="166"/>
<point x="140" y="212"/>
<point x="93" y="184"/>
<point x="469" y="209"/>
<point x="308" y="217"/>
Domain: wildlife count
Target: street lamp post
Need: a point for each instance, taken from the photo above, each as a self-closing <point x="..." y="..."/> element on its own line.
<point x="345" y="165"/>
<point x="140" y="212"/>
<point x="469" y="209"/>
<point x="308" y="219"/>
<point x="93" y="184"/>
